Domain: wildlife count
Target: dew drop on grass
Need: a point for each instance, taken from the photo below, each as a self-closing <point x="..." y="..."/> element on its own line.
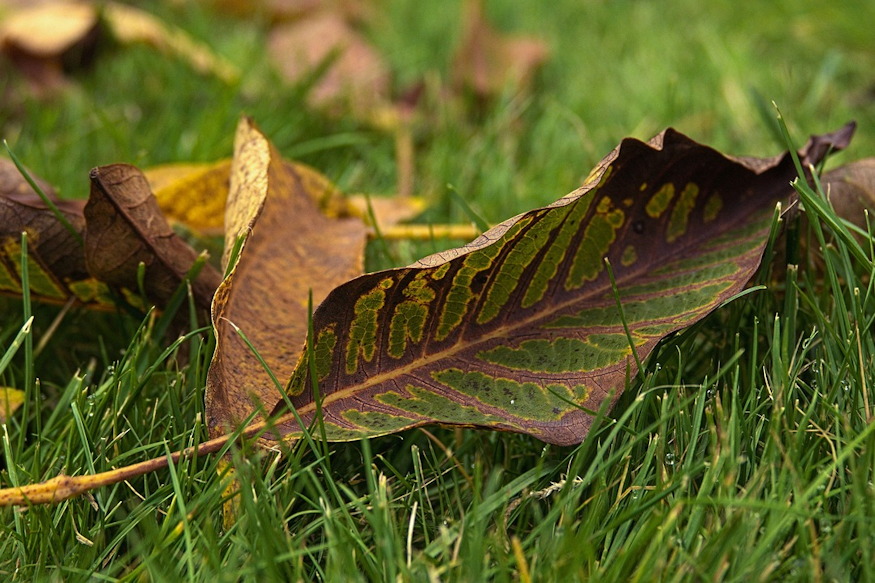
<point x="669" y="459"/>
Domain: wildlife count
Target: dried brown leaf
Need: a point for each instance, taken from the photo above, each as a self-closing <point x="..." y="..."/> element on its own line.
<point x="356" y="77"/>
<point x="56" y="261"/>
<point x="39" y="39"/>
<point x="125" y="228"/>
<point x="489" y="61"/>
<point x="851" y="190"/>
<point x="291" y="250"/>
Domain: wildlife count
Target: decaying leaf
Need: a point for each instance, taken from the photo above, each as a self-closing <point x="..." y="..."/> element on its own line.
<point x="520" y="330"/>
<point x="40" y="39"/>
<point x="10" y="400"/>
<point x="126" y="229"/>
<point x="45" y="39"/>
<point x="192" y="194"/>
<point x="530" y="328"/>
<point x="488" y="62"/>
<point x="851" y="190"/>
<point x="291" y="251"/>
<point x="56" y="264"/>
<point x="356" y="77"/>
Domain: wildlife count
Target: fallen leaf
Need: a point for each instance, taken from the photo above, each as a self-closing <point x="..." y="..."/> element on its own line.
<point x="355" y="79"/>
<point x="291" y="250"/>
<point x="851" y="190"/>
<point x="488" y="61"/>
<point x="520" y="330"/>
<point x="43" y="40"/>
<point x="10" y="400"/>
<point x="388" y="211"/>
<point x="125" y="228"/>
<point x="132" y="25"/>
<point x="195" y="195"/>
<point x="40" y="39"/>
<point x="192" y="194"/>
<point x="56" y="263"/>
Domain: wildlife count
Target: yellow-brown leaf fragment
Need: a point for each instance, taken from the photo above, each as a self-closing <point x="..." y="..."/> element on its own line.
<point x="129" y="24"/>
<point x="10" y="400"/>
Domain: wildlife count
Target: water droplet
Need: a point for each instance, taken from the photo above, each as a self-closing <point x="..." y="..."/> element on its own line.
<point x="709" y="394"/>
<point x="846" y="385"/>
<point x="669" y="459"/>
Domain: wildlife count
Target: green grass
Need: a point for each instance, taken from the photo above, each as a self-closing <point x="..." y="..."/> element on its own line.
<point x="745" y="452"/>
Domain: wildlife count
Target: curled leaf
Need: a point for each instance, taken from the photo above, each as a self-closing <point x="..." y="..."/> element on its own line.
<point x="291" y="250"/>
<point x="125" y="228"/>
<point x="56" y="264"/>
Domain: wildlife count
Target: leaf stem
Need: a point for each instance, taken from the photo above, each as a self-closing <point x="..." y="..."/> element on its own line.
<point x="63" y="487"/>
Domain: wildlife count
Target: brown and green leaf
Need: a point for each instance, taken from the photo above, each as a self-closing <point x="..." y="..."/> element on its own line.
<point x="531" y="328"/>
<point x="521" y="330"/>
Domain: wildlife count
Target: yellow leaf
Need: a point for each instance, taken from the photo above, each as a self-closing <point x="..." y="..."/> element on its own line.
<point x="10" y="400"/>
<point x="193" y="194"/>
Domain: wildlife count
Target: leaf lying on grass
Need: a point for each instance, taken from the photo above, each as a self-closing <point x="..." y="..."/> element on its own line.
<point x="291" y="251"/>
<point x="488" y="62"/>
<point x="42" y="39"/>
<point x="851" y="190"/>
<point x="195" y="195"/>
<point x="530" y="328"/>
<point x="56" y="263"/>
<point x="520" y="330"/>
<point x="353" y="74"/>
<point x="125" y="229"/>
<point x="95" y="258"/>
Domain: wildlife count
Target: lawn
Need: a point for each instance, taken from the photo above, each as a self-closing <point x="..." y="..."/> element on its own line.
<point x="745" y="449"/>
